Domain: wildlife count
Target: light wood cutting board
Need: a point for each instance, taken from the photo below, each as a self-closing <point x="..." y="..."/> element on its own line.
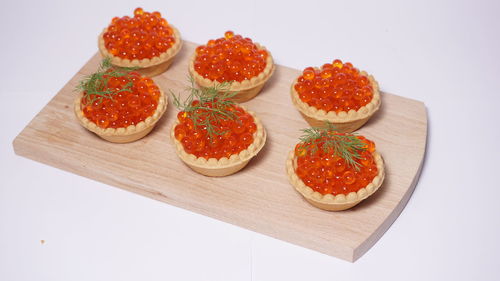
<point x="259" y="197"/>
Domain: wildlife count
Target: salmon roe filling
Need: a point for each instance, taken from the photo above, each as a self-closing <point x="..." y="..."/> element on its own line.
<point x="325" y="172"/>
<point x="233" y="135"/>
<point x="133" y="98"/>
<point x="231" y="58"/>
<point x="144" y="36"/>
<point x="334" y="87"/>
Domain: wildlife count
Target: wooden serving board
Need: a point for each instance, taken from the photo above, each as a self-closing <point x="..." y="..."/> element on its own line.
<point x="259" y="197"/>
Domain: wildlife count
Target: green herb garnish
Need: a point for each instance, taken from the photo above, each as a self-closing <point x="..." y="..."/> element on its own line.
<point x="344" y="145"/>
<point x="95" y="86"/>
<point x="211" y="106"/>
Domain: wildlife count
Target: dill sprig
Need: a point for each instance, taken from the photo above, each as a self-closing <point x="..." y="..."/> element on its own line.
<point x="344" y="145"/>
<point x="213" y="107"/>
<point x="95" y="85"/>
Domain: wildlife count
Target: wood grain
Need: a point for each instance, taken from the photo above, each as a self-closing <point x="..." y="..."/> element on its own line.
<point x="259" y="197"/>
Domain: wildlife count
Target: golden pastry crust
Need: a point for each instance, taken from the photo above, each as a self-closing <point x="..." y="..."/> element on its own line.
<point x="247" y="89"/>
<point x="154" y="65"/>
<point x="332" y="202"/>
<point x="123" y="134"/>
<point x="344" y="121"/>
<point x="224" y="166"/>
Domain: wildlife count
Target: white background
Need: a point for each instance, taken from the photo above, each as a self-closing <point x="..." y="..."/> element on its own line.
<point x="443" y="53"/>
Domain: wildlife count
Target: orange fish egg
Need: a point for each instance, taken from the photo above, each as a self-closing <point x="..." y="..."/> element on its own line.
<point x="134" y="98"/>
<point x="146" y="35"/>
<point x="335" y="87"/>
<point x="231" y="137"/>
<point x="327" y="173"/>
<point x="230" y="58"/>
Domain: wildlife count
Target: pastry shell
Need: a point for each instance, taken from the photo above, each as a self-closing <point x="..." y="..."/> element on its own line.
<point x="345" y="122"/>
<point x="147" y="67"/>
<point x="123" y="134"/>
<point x="332" y="202"/>
<point x="247" y="89"/>
<point x="223" y="166"/>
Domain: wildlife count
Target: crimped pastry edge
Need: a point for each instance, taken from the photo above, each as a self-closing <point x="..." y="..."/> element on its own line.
<point x="342" y="116"/>
<point x="123" y="131"/>
<point x="337" y="202"/>
<point x="144" y="63"/>
<point x="237" y="86"/>
<point x="224" y="162"/>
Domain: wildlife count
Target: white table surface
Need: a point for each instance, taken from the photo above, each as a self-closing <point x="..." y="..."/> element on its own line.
<point x="445" y="54"/>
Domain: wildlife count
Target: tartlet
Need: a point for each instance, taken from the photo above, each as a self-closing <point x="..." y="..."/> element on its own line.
<point x="327" y="98"/>
<point x="246" y="64"/>
<point x="121" y="114"/>
<point x="152" y="42"/>
<point x="219" y="144"/>
<point x="331" y="186"/>
<point x="224" y="166"/>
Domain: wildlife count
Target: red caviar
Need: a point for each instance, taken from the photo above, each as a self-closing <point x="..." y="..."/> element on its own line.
<point x="334" y="87"/>
<point x="126" y="107"/>
<point x="146" y="35"/>
<point x="327" y="173"/>
<point x="231" y="58"/>
<point x="233" y="135"/>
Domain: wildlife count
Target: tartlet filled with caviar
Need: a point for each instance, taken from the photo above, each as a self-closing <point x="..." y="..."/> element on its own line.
<point x="334" y="171"/>
<point x="232" y="58"/>
<point x="146" y="41"/>
<point x="337" y="93"/>
<point x="118" y="104"/>
<point x="213" y="135"/>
